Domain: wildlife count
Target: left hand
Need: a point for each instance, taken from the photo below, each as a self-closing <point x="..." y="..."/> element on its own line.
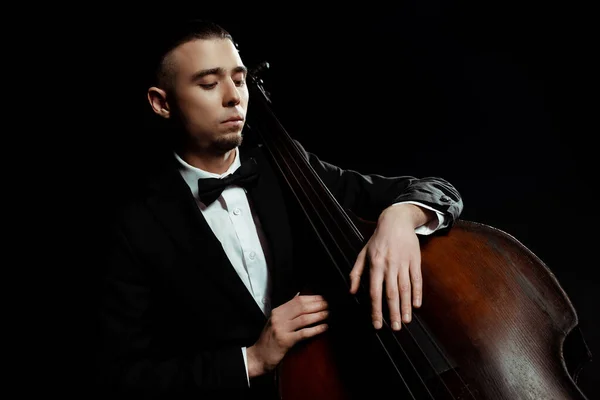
<point x="394" y="256"/>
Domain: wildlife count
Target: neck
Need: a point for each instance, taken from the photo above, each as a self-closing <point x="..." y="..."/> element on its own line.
<point x="215" y="163"/>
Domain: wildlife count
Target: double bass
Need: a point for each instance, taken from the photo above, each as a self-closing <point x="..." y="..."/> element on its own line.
<point x="494" y="325"/>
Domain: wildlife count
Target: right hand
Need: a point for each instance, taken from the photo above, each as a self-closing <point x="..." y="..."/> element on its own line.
<point x="288" y="324"/>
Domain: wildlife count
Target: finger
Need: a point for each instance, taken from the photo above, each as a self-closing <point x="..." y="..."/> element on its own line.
<point x="309" y="332"/>
<point x="308" y="298"/>
<point x="393" y="300"/>
<point x="305" y="320"/>
<point x="300" y="299"/>
<point x="405" y="294"/>
<point x="416" y="278"/>
<point x="376" y="278"/>
<point x="308" y="305"/>
<point x="357" y="270"/>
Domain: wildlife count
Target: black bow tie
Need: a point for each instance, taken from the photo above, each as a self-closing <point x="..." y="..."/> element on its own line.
<point x="209" y="189"/>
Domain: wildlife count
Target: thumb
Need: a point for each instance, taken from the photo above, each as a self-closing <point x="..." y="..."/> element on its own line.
<point x="357" y="270"/>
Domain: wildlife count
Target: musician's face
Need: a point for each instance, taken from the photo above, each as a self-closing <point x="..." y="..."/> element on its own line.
<point x="209" y="94"/>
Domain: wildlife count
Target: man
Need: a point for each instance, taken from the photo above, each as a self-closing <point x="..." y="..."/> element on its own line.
<point x="201" y="295"/>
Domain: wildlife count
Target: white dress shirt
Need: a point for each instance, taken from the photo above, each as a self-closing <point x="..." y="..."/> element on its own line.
<point x="240" y="233"/>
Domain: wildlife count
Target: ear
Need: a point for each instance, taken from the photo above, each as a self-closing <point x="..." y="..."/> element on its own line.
<point x="158" y="101"/>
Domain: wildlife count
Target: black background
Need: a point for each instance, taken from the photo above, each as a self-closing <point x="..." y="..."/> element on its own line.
<point x="496" y="97"/>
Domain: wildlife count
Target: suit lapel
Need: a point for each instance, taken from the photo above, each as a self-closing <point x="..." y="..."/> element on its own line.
<point x="175" y="208"/>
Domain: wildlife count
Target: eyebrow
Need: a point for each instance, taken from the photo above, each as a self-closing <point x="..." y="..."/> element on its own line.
<point x="217" y="71"/>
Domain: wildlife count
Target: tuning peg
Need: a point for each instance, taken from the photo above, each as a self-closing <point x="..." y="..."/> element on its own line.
<point x="260" y="68"/>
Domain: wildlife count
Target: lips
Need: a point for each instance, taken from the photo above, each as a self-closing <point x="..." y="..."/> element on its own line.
<point x="234" y="119"/>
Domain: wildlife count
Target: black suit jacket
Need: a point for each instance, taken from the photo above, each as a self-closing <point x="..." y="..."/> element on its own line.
<point x="174" y="314"/>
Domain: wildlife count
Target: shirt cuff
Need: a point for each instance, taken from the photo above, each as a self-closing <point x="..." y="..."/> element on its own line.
<point x="433" y="225"/>
<point x="246" y="364"/>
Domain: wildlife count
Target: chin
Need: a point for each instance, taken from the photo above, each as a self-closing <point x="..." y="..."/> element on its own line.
<point x="228" y="142"/>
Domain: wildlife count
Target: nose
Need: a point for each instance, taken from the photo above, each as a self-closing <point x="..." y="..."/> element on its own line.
<point x="232" y="96"/>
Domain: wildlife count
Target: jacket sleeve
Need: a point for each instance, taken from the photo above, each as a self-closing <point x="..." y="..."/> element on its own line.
<point x="368" y="194"/>
<point x="128" y="363"/>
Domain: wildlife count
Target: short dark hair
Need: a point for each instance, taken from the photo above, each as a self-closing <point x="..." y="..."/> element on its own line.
<point x="181" y="33"/>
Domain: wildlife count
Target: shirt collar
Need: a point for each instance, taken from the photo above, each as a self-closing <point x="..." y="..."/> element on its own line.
<point x="191" y="174"/>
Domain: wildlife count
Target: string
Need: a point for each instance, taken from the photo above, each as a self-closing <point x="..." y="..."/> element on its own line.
<point x="277" y="154"/>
